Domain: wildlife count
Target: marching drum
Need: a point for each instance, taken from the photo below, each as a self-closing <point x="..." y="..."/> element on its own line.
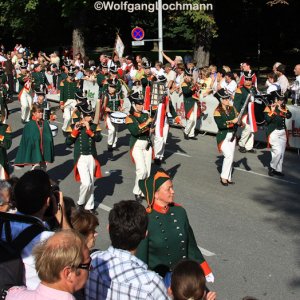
<point x="54" y="130"/>
<point x="260" y="104"/>
<point x="118" y="117"/>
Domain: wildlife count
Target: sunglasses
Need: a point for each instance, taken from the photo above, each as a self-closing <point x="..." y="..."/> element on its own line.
<point x="88" y="266"/>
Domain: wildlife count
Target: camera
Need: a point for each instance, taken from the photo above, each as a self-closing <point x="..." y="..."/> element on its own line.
<point x="54" y="201"/>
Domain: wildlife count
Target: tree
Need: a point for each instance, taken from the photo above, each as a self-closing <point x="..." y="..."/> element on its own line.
<point x="196" y="26"/>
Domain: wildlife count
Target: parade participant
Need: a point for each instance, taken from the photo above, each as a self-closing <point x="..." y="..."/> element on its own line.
<point x="225" y="116"/>
<point x="246" y="141"/>
<point x="3" y="101"/>
<point x="190" y="99"/>
<point x="112" y="103"/>
<point x="68" y="88"/>
<point x="102" y="77"/>
<point x="138" y="124"/>
<point x="5" y="144"/>
<point x="84" y="135"/>
<point x="164" y="107"/>
<point x="25" y="85"/>
<point x="170" y="237"/>
<point x="175" y="62"/>
<point x="275" y="116"/>
<point x="247" y="70"/>
<point x="147" y="79"/>
<point x="39" y="78"/>
<point x="45" y="105"/>
<point x="36" y="147"/>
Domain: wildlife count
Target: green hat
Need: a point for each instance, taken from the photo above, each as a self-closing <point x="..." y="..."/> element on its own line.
<point x="151" y="184"/>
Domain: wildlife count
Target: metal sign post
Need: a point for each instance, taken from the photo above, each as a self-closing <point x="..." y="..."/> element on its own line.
<point x="160" y="31"/>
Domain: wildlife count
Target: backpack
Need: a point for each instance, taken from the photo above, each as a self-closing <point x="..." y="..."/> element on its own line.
<point x="11" y="263"/>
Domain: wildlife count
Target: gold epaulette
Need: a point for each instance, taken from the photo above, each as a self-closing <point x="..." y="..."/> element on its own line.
<point x="217" y="113"/>
<point x="238" y="90"/>
<point x="62" y="83"/>
<point x="69" y="129"/>
<point x="267" y="109"/>
<point x="128" y="120"/>
<point x="8" y="129"/>
<point x="98" y="128"/>
<point x="184" y="84"/>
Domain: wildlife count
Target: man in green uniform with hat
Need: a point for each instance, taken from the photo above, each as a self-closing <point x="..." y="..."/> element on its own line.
<point x="5" y="144"/>
<point x="170" y="237"/>
<point x="36" y="147"/>
<point x="68" y="88"/>
<point x="84" y="134"/>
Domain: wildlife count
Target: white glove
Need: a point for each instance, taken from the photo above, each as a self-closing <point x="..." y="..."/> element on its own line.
<point x="210" y="277"/>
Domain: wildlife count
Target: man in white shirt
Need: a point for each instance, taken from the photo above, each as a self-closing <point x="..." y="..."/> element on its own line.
<point x="282" y="80"/>
<point x="296" y="86"/>
<point x="170" y="75"/>
<point x="117" y="272"/>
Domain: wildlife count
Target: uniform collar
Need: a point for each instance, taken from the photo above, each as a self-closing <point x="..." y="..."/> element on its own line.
<point x="137" y="114"/>
<point x="161" y="209"/>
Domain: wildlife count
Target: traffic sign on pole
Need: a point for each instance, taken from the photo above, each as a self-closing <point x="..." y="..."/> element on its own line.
<point x="137" y="33"/>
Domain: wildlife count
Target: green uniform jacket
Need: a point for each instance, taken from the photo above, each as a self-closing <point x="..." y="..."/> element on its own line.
<point x="240" y="97"/>
<point x="170" y="239"/>
<point x="84" y="144"/>
<point x="276" y="119"/>
<point x="21" y="81"/>
<point x="112" y="102"/>
<point x="36" y="144"/>
<point x="145" y="82"/>
<point x="221" y="119"/>
<point x="5" y="144"/>
<point x="137" y="127"/>
<point x="60" y="78"/>
<point x="101" y="78"/>
<point x="38" y="79"/>
<point x="4" y="78"/>
<point x="188" y="99"/>
<point x="67" y="90"/>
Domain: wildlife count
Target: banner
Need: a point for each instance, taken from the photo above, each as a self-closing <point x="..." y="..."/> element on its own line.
<point x="119" y="46"/>
<point x="91" y="89"/>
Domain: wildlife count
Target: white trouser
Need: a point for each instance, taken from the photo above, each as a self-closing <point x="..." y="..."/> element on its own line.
<point x="227" y="149"/>
<point x="69" y="106"/>
<point x="26" y="104"/>
<point x="159" y="142"/>
<point x="2" y="173"/>
<point x="247" y="137"/>
<point x="278" y="143"/>
<point x="112" y="132"/>
<point x="86" y="168"/>
<point x="142" y="159"/>
<point x="191" y="122"/>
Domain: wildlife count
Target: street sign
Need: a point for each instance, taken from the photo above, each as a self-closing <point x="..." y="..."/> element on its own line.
<point x="138" y="43"/>
<point x="137" y="33"/>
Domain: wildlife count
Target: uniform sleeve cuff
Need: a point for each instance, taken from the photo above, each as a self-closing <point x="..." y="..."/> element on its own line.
<point x="90" y="132"/>
<point x="205" y="267"/>
<point x="74" y="133"/>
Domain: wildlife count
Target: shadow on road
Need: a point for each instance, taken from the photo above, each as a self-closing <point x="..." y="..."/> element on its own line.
<point x="105" y="186"/>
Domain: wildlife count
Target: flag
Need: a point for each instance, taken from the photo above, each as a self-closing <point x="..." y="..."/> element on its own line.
<point x="252" y="119"/>
<point x="119" y="46"/>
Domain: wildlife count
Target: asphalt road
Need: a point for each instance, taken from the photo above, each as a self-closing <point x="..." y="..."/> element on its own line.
<point x="249" y="232"/>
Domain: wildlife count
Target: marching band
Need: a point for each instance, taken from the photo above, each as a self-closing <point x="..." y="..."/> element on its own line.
<point x="151" y="96"/>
